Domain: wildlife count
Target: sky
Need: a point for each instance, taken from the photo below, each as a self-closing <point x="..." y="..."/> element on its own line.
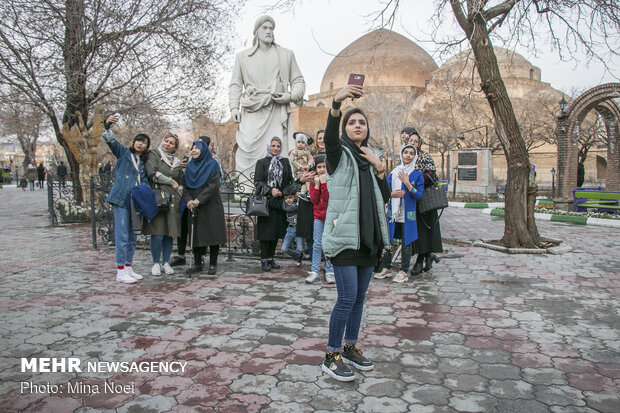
<point x="316" y="30"/>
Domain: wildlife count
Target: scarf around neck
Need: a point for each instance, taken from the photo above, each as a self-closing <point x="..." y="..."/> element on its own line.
<point x="274" y="175"/>
<point x="396" y="182"/>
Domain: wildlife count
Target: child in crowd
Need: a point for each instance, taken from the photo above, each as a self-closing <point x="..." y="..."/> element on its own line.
<point x="300" y="157"/>
<point x="289" y="205"/>
<point x="320" y="198"/>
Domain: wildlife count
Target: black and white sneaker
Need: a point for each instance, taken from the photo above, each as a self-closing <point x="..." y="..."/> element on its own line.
<point x="353" y="356"/>
<point x="334" y="366"/>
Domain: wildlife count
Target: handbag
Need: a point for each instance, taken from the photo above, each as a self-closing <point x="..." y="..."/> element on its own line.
<point x="162" y="198"/>
<point x="433" y="198"/>
<point x="257" y="204"/>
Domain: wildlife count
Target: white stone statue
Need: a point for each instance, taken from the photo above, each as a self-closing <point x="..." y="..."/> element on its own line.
<point x="265" y="80"/>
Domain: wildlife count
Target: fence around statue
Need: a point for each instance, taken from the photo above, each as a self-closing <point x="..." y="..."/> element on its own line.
<point x="235" y="188"/>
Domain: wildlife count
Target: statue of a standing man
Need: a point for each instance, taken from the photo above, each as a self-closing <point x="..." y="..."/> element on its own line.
<point x="265" y="80"/>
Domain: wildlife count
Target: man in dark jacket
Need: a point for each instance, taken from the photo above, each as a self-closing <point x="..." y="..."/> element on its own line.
<point x="61" y="171"/>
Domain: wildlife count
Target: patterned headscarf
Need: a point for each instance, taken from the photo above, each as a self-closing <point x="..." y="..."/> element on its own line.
<point x="274" y="176"/>
<point x="425" y="161"/>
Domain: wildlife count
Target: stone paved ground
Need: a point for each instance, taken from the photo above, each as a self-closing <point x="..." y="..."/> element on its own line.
<point x="482" y="331"/>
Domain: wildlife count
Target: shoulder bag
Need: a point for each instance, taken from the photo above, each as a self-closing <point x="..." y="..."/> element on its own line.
<point x="257" y="204"/>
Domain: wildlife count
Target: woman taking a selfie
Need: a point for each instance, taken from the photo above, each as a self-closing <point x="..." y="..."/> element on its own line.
<point x="165" y="174"/>
<point x="355" y="232"/>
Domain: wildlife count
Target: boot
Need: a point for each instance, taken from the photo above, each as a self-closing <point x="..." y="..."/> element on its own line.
<point x="429" y="261"/>
<point x="419" y="265"/>
<point x="197" y="267"/>
<point x="265" y="266"/>
<point x="273" y="264"/>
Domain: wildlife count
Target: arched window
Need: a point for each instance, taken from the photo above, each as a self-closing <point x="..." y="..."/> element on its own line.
<point x="531" y="74"/>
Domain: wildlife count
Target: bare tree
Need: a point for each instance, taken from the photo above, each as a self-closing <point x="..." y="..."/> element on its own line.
<point x="22" y="121"/>
<point x="390" y="113"/>
<point x="68" y="55"/>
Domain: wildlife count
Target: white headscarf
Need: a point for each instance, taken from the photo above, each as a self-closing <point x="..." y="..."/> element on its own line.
<point x="396" y="182"/>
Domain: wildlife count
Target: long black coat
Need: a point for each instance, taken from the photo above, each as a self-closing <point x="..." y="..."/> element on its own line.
<point x="274" y="226"/>
<point x="210" y="228"/>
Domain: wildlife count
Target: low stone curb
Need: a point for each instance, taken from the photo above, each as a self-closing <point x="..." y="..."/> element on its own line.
<point x="562" y="248"/>
<point x="571" y="219"/>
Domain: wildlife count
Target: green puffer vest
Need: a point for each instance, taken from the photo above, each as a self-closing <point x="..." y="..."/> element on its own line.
<point x="342" y="230"/>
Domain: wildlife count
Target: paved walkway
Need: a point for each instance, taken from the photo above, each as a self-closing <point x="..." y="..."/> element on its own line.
<point x="482" y="331"/>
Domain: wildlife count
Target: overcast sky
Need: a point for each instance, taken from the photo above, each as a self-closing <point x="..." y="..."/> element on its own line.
<point x="316" y="30"/>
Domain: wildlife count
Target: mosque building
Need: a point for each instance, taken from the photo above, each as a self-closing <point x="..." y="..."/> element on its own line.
<point x="404" y="86"/>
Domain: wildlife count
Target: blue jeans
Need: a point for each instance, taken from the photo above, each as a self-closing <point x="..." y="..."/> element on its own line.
<point x="124" y="236"/>
<point x="351" y="283"/>
<point x="288" y="240"/>
<point x="31" y="184"/>
<point x="161" y="248"/>
<point x="317" y="248"/>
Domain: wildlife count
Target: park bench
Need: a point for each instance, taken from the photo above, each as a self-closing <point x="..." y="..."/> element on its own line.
<point x="584" y="199"/>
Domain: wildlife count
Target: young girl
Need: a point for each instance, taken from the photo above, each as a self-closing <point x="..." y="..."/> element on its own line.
<point x="407" y="186"/>
<point x="320" y="198"/>
<point x="128" y="172"/>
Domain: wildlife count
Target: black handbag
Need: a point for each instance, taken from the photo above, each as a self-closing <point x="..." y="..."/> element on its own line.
<point x="257" y="204"/>
<point x="162" y="198"/>
<point x="433" y="198"/>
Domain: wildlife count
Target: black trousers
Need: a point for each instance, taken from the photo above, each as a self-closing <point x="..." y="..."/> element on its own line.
<point x="182" y="240"/>
<point x="268" y="249"/>
<point x="214" y="251"/>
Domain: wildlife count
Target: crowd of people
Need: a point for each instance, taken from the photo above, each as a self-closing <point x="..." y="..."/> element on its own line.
<point x="330" y="199"/>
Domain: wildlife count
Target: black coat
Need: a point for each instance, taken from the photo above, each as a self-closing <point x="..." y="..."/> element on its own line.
<point x="210" y="227"/>
<point x="274" y="226"/>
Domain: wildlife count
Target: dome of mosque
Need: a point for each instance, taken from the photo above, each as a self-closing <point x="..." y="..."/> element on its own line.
<point x="385" y="58"/>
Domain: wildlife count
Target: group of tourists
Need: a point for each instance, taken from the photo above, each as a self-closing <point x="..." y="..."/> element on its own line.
<point x="33" y="175"/>
<point x="161" y="171"/>
<point x="332" y="198"/>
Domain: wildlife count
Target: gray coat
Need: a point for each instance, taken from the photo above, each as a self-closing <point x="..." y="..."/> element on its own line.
<point x="164" y="223"/>
<point x="209" y="228"/>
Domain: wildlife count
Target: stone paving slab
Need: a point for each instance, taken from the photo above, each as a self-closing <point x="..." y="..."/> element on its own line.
<point x="482" y="331"/>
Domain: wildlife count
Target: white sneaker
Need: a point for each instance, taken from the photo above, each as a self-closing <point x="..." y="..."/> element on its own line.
<point x="167" y="268"/>
<point x="312" y="276"/>
<point x="156" y="270"/>
<point x="123" y="277"/>
<point x="386" y="273"/>
<point x="129" y="270"/>
<point x="330" y="278"/>
<point x="401" y="277"/>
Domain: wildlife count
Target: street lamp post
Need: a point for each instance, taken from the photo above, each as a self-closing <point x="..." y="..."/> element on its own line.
<point x="552" y="183"/>
<point x="456" y="171"/>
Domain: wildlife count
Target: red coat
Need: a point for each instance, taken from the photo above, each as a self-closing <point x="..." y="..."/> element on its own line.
<point x="319" y="198"/>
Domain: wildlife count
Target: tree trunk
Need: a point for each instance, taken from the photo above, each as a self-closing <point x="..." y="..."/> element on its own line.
<point x="75" y="86"/>
<point x="518" y="232"/>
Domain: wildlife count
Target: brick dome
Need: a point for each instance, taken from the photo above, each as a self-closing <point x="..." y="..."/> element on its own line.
<point x="386" y="58"/>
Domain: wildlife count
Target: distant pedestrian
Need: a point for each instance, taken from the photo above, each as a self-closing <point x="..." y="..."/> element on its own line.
<point x="128" y="172"/>
<point x="61" y="171"/>
<point x="31" y="175"/>
<point x="41" y="174"/>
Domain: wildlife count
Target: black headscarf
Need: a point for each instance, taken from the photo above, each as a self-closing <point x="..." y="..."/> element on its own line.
<point x="370" y="228"/>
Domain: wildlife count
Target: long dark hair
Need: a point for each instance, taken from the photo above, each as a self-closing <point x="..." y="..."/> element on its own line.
<point x="141" y="137"/>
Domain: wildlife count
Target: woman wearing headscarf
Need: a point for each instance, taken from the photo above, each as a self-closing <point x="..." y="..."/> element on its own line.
<point x="429" y="232"/>
<point x="202" y="197"/>
<point x="318" y="146"/>
<point x="165" y="174"/>
<point x="272" y="174"/>
<point x="355" y="232"/>
<point x="41" y="174"/>
<point x="407" y="186"/>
